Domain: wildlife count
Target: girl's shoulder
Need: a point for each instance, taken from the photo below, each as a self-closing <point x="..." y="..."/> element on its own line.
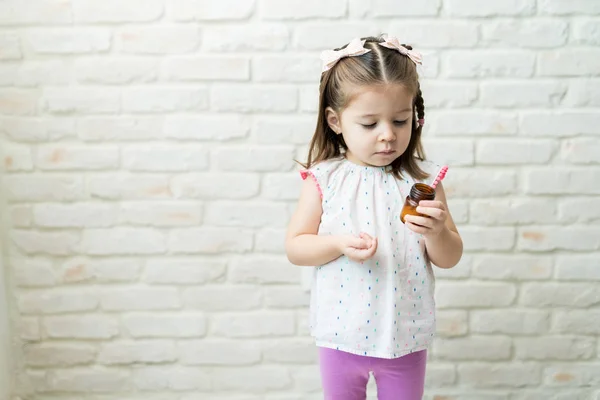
<point x="323" y="171"/>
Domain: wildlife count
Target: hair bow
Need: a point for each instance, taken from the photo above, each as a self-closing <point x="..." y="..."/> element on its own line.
<point x="393" y="43"/>
<point x="354" y="48"/>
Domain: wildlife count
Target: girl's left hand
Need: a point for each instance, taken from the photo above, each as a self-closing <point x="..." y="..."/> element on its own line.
<point x="434" y="221"/>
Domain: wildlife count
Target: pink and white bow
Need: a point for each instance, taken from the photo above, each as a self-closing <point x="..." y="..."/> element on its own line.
<point x="354" y="48"/>
<point x="392" y="42"/>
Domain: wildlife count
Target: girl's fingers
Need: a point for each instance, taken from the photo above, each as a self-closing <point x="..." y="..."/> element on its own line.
<point x="432" y="204"/>
<point x="432" y="212"/>
<point x="417" y="220"/>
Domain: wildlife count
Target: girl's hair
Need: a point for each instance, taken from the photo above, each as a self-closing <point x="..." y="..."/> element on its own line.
<point x="379" y="66"/>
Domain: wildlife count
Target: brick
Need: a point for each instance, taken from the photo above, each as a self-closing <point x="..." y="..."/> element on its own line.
<point x="255" y="158"/>
<point x="558" y="123"/>
<point x="473" y="123"/>
<point x="35" y="12"/>
<point x="474" y="294"/>
<point x="45" y="242"/>
<point x="28" y="328"/>
<point x="209" y="10"/>
<point x="123" y="240"/>
<point x="165" y="326"/>
<point x="114" y="11"/>
<point x="20" y="216"/>
<point x="116" y="71"/>
<point x="215" y="186"/>
<point x="555" y="294"/>
<point x="513" y="267"/>
<point x="522" y="211"/>
<point x="217" y="352"/>
<point x="446" y="93"/>
<point x="578" y="322"/>
<point x="251" y="379"/>
<point x="436" y="34"/>
<point x="165" y="99"/>
<point x="570" y="374"/>
<point x="460" y="271"/>
<point x="223" y="298"/>
<point x="530" y="94"/>
<point x="525" y="33"/>
<point x="244" y="98"/>
<point x="183" y="271"/>
<point x="70" y="157"/>
<point x="180" y="213"/>
<point x="59" y="355"/>
<point x="307" y="380"/>
<point x="270" y="241"/>
<point x="44" y="73"/>
<point x="562" y="181"/>
<point x="388" y="8"/>
<point x="221" y="127"/>
<point x="8" y="72"/>
<point x="510" y="152"/>
<point x="263" y="269"/>
<point x="451" y="323"/>
<point x="18" y="102"/>
<point x="10" y="46"/>
<point x="544" y="238"/>
<point x="558" y="7"/>
<point x="81" y="327"/>
<point x="485" y="239"/>
<point x="510" y="322"/>
<point x="140" y="351"/>
<point x="472" y="8"/>
<point x="163" y="39"/>
<point x="16" y="158"/>
<point x="250" y="325"/>
<point x="210" y="240"/>
<point x="284" y="186"/>
<point x="43" y="187"/>
<point x="167" y="378"/>
<point x="450" y="151"/>
<point x="165" y="158"/>
<point x="56" y="302"/>
<point x="282" y="297"/>
<point x="246" y="214"/>
<point x="119" y="128"/>
<point x="283" y="129"/>
<point x="586" y="32"/>
<point x="290" y="351"/>
<point x="31" y="272"/>
<point x="112" y="186"/>
<point x="276" y="68"/>
<point x="489" y="63"/>
<point x="554" y="348"/>
<point x="440" y="375"/>
<point x="569" y="62"/>
<point x="74" y="215"/>
<point x="80" y="269"/>
<point x="140" y="299"/>
<point x="459" y="210"/>
<point x="297" y="9"/>
<point x="83" y="380"/>
<point x="63" y="41"/>
<point x="507" y="375"/>
<point x="36" y="129"/>
<point x="480" y="348"/>
<point x="578" y="267"/>
<point x="309" y="99"/>
<point x="245" y="38"/>
<point x="581" y="151"/>
<point x="320" y="36"/>
<point x="207" y="68"/>
<point x="483" y="183"/>
<point x="82" y="100"/>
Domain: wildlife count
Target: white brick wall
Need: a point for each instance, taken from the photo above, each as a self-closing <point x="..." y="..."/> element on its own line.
<point x="147" y="151"/>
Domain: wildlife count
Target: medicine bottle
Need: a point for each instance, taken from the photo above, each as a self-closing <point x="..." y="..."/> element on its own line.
<point x="418" y="192"/>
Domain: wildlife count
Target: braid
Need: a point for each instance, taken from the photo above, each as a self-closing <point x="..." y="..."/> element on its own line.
<point x="419" y="105"/>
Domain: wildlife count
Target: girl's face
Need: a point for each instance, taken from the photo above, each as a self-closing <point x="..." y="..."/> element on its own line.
<point x="376" y="124"/>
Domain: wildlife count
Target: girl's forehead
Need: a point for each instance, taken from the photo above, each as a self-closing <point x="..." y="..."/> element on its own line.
<point x="380" y="96"/>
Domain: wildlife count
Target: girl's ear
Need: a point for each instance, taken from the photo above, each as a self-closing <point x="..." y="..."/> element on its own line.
<point x="333" y="120"/>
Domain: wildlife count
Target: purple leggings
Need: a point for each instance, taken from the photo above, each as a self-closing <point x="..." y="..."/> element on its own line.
<point x="345" y="375"/>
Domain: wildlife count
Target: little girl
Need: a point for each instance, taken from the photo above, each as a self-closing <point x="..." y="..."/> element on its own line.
<point x="372" y="305"/>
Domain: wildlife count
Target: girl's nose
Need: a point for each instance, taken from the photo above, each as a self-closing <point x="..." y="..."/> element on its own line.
<point x="387" y="135"/>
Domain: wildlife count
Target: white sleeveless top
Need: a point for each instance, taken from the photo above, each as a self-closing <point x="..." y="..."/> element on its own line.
<point x="383" y="307"/>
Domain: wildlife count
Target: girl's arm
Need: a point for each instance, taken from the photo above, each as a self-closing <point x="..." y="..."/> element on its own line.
<point x="442" y="241"/>
<point x="303" y="244"/>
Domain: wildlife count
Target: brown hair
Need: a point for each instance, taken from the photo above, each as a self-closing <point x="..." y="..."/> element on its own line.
<point x="379" y="66"/>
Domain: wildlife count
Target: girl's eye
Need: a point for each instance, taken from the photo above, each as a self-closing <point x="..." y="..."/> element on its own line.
<point x="400" y="123"/>
<point x="370" y="126"/>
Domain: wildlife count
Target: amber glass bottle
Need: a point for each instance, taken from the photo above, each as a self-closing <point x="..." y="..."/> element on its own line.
<point x="419" y="191"/>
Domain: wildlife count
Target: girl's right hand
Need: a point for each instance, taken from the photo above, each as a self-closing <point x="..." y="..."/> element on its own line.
<point x="359" y="248"/>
